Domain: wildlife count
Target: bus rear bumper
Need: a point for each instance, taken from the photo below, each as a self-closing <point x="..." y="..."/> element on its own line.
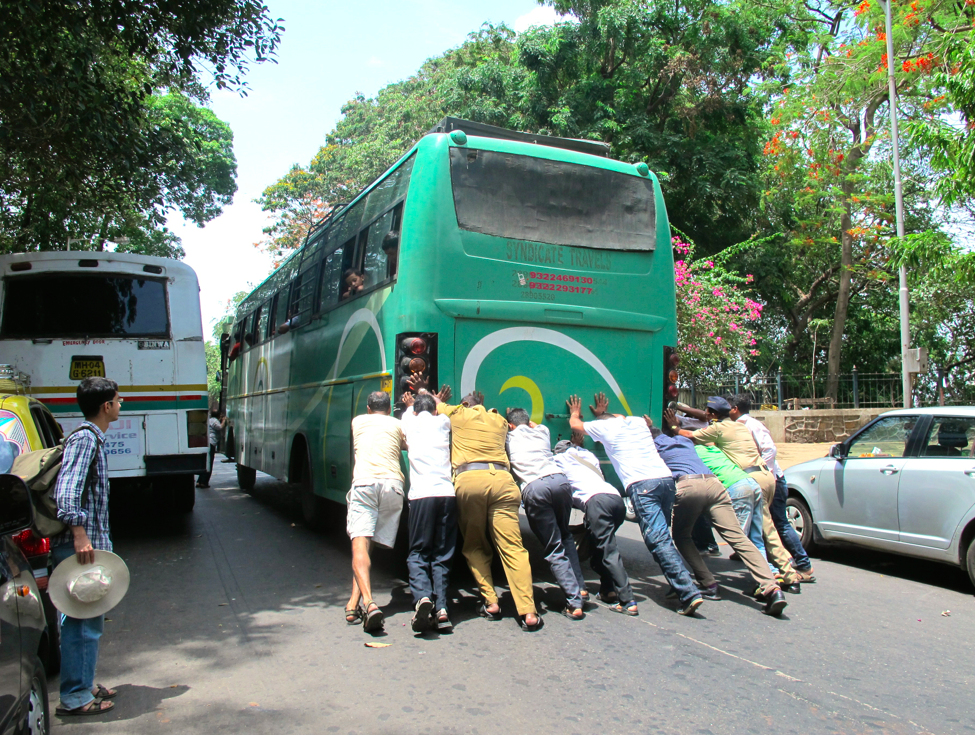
<point x="175" y="464"/>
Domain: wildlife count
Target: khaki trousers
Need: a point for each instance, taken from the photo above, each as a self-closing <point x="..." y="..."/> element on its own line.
<point x="707" y="494"/>
<point x="487" y="506"/>
<point x="773" y="543"/>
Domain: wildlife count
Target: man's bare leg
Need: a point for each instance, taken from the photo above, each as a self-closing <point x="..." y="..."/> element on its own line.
<point x="361" y="565"/>
<point x="353" y="603"/>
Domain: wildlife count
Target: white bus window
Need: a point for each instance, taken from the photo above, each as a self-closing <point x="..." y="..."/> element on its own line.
<point x="303" y="291"/>
<point x="260" y="329"/>
<point x="59" y="305"/>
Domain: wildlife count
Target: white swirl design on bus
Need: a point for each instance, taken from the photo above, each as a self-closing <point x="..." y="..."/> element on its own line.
<point x="366" y="316"/>
<point x="493" y="341"/>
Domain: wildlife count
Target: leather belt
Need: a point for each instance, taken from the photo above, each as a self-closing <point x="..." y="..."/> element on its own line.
<point x="755" y="468"/>
<point x="467" y="467"/>
<point x="695" y="477"/>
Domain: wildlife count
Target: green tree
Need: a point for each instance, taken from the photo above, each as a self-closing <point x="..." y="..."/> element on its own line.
<point x="101" y="127"/>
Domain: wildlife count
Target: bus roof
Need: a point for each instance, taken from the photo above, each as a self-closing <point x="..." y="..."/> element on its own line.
<point x="119" y="262"/>
<point x="592" y="147"/>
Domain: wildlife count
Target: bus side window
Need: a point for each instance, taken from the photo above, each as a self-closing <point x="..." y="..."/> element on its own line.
<point x="272" y="324"/>
<point x="375" y="261"/>
<point x="331" y="280"/>
<point x="280" y="309"/>
<point x="303" y="292"/>
<point x="260" y="326"/>
<point x="250" y="335"/>
<point x="351" y="282"/>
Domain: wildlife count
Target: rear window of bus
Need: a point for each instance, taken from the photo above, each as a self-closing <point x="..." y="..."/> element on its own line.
<point x="66" y="305"/>
<point x="552" y="202"/>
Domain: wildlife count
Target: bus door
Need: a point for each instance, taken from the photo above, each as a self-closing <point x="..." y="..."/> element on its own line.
<point x="338" y="441"/>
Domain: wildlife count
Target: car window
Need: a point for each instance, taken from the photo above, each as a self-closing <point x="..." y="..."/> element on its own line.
<point x="886" y="438"/>
<point x="43" y="429"/>
<point x="950" y="436"/>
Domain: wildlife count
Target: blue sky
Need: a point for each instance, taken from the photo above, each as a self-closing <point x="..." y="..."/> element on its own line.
<point x="329" y="51"/>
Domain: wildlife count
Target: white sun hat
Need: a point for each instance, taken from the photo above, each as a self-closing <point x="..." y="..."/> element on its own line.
<point x="87" y="590"/>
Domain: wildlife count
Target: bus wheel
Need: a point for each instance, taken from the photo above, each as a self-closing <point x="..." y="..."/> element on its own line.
<point x="182" y="493"/>
<point x="313" y="508"/>
<point x="246" y="477"/>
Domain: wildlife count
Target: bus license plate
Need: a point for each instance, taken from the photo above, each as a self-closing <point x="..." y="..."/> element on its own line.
<point x="81" y="369"/>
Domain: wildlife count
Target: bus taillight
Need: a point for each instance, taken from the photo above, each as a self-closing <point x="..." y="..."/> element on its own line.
<point x="671" y="361"/>
<point x="416" y="354"/>
<point x="196" y="428"/>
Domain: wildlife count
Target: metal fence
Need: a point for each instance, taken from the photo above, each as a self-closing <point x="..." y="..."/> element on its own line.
<point x="785" y="392"/>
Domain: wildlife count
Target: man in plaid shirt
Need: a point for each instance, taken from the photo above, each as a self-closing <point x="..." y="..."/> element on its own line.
<point x="84" y="466"/>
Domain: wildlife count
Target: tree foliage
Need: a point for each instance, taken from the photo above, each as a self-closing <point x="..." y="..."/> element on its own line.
<point x="101" y="130"/>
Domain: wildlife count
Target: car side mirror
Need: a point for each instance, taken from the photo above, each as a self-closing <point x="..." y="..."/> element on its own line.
<point x="16" y="509"/>
<point x="837" y="451"/>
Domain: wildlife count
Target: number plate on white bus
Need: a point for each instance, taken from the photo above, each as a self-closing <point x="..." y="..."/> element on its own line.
<point x="86" y="367"/>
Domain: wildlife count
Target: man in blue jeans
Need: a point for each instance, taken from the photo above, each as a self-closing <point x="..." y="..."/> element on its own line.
<point x="741" y="405"/>
<point x="81" y="495"/>
<point x="648" y="482"/>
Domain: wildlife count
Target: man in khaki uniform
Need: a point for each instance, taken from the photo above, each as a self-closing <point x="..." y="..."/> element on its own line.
<point x="487" y="505"/>
<point x="736" y="441"/>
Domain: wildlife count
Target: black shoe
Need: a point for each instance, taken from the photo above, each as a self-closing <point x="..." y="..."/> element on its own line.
<point x="792" y="589"/>
<point x="421" y="618"/>
<point x="774" y="603"/>
<point x="691" y="607"/>
<point x="713" y="550"/>
<point x="734" y="556"/>
<point x="710" y="593"/>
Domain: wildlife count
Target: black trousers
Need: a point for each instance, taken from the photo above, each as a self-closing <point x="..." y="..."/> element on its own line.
<point x="433" y="541"/>
<point x="605" y="513"/>
<point x="205" y="476"/>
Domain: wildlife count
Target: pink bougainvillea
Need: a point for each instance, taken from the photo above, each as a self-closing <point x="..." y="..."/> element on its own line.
<point x="715" y="319"/>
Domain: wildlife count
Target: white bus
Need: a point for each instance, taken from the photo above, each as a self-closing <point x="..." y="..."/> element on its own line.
<point x="66" y="316"/>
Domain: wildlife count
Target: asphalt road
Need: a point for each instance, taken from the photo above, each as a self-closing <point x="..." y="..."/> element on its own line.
<point x="233" y="624"/>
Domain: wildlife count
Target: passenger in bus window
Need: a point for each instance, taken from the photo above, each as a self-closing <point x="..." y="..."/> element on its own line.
<point x="391" y="248"/>
<point x="547" y="497"/>
<point x="354" y="281"/>
<point x="375" y="501"/>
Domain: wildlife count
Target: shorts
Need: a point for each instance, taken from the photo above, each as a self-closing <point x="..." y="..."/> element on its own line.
<point x="374" y="511"/>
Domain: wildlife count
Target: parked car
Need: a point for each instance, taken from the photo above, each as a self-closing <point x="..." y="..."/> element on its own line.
<point x="23" y="682"/>
<point x="27" y="425"/>
<point x="904" y="483"/>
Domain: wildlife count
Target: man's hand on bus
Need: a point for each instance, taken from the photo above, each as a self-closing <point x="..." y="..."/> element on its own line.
<point x="671" y="422"/>
<point x="444" y="395"/>
<point x="407" y="399"/>
<point x="602" y="403"/>
<point x="417" y="381"/>
<point x="575" y="413"/>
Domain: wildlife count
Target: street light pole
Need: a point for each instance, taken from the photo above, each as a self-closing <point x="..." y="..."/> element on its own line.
<point x="899" y="207"/>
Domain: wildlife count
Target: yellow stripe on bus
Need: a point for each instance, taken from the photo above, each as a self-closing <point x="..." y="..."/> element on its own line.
<point x="125" y="388"/>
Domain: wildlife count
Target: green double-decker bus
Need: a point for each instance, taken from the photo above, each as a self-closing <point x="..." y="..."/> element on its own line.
<point x="523" y="266"/>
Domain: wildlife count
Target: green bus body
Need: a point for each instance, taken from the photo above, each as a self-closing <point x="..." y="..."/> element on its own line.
<point x="526" y="323"/>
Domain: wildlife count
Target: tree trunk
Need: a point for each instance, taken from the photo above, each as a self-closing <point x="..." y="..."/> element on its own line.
<point x="842" y="298"/>
<point x="941" y="387"/>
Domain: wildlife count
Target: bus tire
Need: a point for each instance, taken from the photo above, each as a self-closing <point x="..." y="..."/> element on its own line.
<point x="313" y="508"/>
<point x="246" y="478"/>
<point x="182" y="493"/>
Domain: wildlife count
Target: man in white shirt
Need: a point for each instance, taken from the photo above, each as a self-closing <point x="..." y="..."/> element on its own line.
<point x="375" y="501"/>
<point x="649" y="484"/>
<point x="547" y="497"/>
<point x="605" y="512"/>
<point x="433" y="510"/>
<point x="741" y="406"/>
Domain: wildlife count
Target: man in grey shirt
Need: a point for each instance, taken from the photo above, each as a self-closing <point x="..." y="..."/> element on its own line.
<point x="547" y="497"/>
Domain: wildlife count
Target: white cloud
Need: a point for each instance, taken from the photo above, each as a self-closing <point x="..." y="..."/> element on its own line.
<point x="543" y="15"/>
<point x="374" y="61"/>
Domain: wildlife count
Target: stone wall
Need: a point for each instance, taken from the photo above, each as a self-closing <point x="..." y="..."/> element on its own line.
<point x="813" y="426"/>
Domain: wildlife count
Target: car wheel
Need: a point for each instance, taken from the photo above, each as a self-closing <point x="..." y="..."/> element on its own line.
<point x="38" y="716"/>
<point x="246" y="478"/>
<point x="970" y="560"/>
<point x="52" y="662"/>
<point x="797" y="513"/>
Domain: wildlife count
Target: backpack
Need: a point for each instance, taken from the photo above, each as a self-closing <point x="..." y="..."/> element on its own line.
<point x="40" y="469"/>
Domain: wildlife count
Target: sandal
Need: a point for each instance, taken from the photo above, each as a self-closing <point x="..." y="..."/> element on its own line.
<point x="570" y="613"/>
<point x="485" y="613"/>
<point x="530" y="628"/>
<point x="353" y="615"/>
<point x="628" y="608"/>
<point x="94" y="707"/>
<point x="608" y="599"/>
<point x="103" y="692"/>
<point x="373" y="620"/>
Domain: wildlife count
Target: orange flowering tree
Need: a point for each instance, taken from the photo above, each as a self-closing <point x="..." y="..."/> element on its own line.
<point x="828" y="155"/>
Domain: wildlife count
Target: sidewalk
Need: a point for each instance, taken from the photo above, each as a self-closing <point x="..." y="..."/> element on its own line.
<point x="790" y="454"/>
